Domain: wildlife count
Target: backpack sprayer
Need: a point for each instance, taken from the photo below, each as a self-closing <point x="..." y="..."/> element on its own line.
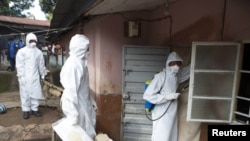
<point x="150" y="106"/>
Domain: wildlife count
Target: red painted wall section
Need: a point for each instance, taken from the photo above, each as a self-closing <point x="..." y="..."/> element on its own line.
<point x="109" y="121"/>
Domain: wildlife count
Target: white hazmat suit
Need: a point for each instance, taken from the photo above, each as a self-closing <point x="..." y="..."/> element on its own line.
<point x="77" y="103"/>
<point x="162" y="93"/>
<point x="30" y="66"/>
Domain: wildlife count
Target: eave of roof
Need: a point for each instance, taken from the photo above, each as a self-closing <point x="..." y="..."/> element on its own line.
<point x="25" y="21"/>
<point x="67" y="11"/>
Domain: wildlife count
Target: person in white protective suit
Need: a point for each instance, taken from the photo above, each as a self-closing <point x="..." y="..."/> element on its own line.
<point x="76" y="101"/>
<point x="163" y="93"/>
<point x="30" y="66"/>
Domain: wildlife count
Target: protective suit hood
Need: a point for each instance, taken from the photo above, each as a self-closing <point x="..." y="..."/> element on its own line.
<point x="78" y="46"/>
<point x="173" y="56"/>
<point x="30" y="36"/>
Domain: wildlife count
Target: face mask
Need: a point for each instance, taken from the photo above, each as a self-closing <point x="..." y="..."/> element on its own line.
<point x="174" y="69"/>
<point x="32" y="44"/>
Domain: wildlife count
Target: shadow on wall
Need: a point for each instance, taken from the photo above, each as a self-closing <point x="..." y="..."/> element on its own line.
<point x="198" y="31"/>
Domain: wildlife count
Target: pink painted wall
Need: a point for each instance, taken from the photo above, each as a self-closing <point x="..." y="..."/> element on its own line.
<point x="106" y="35"/>
<point x="192" y="20"/>
<point x="237" y="21"/>
<point x="196" y="20"/>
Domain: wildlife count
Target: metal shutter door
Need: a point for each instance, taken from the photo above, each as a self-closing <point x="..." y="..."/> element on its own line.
<point x="140" y="63"/>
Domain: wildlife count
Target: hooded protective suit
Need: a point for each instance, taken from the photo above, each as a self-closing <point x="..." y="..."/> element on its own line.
<point x="76" y="100"/>
<point x="162" y="93"/>
<point x="30" y="66"/>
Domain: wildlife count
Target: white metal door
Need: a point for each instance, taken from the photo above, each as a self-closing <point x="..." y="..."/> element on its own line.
<point x="140" y="63"/>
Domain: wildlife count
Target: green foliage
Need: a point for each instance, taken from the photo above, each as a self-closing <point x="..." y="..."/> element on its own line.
<point x="15" y="7"/>
<point x="4" y="7"/>
<point x="47" y="6"/>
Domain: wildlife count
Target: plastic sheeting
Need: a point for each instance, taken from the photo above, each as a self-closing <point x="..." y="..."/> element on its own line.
<point x="69" y="132"/>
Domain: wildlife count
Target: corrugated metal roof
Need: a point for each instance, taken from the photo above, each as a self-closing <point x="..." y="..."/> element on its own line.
<point x="67" y="11"/>
<point x="24" y="21"/>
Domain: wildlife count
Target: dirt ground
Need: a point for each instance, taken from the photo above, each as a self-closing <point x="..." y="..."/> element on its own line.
<point x="14" y="116"/>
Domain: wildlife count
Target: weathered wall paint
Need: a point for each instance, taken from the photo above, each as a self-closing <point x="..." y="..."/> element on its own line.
<point x="192" y="20"/>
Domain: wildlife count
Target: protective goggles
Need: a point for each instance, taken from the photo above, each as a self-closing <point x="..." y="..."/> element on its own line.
<point x="32" y="41"/>
<point x="173" y="63"/>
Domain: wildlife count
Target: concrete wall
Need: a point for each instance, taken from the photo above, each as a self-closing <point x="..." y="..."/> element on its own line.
<point x="8" y="81"/>
<point x="192" y="20"/>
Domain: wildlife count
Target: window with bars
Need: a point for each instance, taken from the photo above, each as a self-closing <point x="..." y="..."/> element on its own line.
<point x="242" y="111"/>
